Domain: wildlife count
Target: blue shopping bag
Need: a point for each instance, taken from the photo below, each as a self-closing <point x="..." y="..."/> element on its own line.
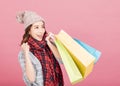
<point x="96" y="53"/>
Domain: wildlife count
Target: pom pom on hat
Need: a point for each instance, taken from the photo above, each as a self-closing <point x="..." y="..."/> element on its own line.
<point x="20" y="17"/>
<point x="28" y="17"/>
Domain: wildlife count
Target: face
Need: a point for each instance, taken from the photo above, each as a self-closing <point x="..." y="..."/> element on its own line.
<point x="37" y="30"/>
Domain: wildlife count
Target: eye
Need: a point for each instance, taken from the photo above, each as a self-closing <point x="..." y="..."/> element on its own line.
<point x="36" y="27"/>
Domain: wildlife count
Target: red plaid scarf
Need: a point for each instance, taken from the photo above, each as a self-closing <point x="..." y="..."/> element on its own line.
<point x="52" y="74"/>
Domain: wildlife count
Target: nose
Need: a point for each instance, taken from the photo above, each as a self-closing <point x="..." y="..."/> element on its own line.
<point x="40" y="30"/>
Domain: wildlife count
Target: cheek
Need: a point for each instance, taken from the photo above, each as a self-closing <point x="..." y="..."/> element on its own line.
<point x="32" y="33"/>
<point x="43" y="31"/>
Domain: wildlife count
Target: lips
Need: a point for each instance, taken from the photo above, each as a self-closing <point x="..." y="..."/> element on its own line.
<point x="39" y="35"/>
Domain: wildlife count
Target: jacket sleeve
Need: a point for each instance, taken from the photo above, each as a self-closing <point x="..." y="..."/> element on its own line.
<point x="38" y="70"/>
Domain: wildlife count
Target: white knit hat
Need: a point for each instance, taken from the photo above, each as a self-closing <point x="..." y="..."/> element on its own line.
<point x="28" y="17"/>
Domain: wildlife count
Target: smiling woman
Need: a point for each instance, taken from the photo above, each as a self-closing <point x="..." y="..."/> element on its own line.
<point x="37" y="30"/>
<point x="39" y="56"/>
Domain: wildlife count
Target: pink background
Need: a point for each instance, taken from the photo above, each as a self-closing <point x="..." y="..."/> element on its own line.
<point x="96" y="22"/>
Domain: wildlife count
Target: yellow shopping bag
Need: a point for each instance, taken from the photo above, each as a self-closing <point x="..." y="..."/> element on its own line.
<point x="83" y="59"/>
<point x="71" y="68"/>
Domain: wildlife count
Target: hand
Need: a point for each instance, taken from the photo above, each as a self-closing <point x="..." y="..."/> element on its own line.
<point x="25" y="47"/>
<point x="50" y="38"/>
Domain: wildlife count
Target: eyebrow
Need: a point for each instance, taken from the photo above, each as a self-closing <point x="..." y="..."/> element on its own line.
<point x="35" y="25"/>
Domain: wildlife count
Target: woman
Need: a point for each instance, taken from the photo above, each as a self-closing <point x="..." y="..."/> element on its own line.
<point x="39" y="53"/>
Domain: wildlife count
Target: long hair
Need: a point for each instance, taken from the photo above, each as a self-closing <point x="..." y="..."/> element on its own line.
<point x="27" y="35"/>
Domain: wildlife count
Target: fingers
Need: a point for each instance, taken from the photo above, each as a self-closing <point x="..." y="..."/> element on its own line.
<point x="47" y="38"/>
<point x="25" y="47"/>
<point x="50" y="37"/>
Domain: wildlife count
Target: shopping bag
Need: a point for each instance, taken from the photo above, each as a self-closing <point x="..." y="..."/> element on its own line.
<point x="83" y="59"/>
<point x="96" y="53"/>
<point x="71" y="68"/>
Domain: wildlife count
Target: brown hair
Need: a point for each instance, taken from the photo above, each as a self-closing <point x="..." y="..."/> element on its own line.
<point x="27" y="35"/>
